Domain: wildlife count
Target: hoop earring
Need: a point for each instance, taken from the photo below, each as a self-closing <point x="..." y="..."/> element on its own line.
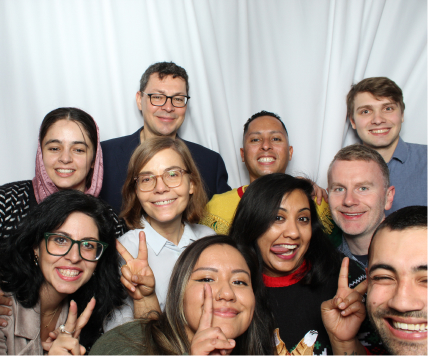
<point x="36" y="260"/>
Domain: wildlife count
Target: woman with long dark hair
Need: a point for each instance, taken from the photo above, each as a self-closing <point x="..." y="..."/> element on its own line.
<point x="64" y="251"/>
<point x="215" y="303"/>
<point x="277" y="219"/>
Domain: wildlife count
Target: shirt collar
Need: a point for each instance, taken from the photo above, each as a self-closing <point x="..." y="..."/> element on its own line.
<point x="401" y="151"/>
<point x="157" y="242"/>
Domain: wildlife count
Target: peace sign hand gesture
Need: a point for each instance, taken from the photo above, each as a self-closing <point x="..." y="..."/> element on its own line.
<point x="138" y="278"/>
<point x="343" y="315"/>
<point x="207" y="339"/>
<point x="67" y="339"/>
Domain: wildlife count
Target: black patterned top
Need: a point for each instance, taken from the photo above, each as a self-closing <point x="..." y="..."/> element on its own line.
<point x="17" y="199"/>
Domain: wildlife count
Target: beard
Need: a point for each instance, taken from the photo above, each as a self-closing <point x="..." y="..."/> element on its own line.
<point x="394" y="345"/>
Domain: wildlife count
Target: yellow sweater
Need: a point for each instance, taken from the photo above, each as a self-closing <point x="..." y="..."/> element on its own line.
<point x="221" y="211"/>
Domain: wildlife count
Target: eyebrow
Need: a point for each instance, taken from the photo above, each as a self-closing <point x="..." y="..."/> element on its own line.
<point x="165" y="170"/>
<point x="216" y="270"/>
<point x="71" y="237"/>
<point x="73" y="142"/>
<point x="271" y="132"/>
<point x="160" y="91"/>
<point x="393" y="270"/>
<point x="371" y="106"/>
<point x="303" y="209"/>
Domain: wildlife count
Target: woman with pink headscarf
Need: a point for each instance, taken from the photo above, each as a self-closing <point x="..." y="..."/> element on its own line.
<point x="68" y="156"/>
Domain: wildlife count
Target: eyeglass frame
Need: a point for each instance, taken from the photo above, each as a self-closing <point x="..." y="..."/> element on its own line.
<point x="78" y="242"/>
<point x="167" y="97"/>
<point x="161" y="175"/>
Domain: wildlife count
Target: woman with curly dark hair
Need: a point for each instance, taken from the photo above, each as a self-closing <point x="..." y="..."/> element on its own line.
<point x="62" y="255"/>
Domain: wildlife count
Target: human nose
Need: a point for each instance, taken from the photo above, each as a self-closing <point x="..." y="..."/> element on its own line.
<point x="160" y="185"/>
<point x="291" y="231"/>
<point x="168" y="107"/>
<point x="73" y="255"/>
<point x="65" y="157"/>
<point x="350" y="199"/>
<point x="266" y="145"/>
<point x="377" y="117"/>
<point x="224" y="292"/>
<point x="406" y="298"/>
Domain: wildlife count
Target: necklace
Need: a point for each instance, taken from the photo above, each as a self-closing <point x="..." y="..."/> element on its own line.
<point x="53" y="316"/>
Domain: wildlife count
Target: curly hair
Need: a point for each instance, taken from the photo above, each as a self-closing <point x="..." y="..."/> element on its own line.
<point x="257" y="210"/>
<point x="20" y="276"/>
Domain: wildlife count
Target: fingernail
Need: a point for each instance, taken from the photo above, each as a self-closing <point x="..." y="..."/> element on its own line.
<point x="232" y="342"/>
<point x="9" y="313"/>
<point x="4" y="323"/>
<point x="342" y="305"/>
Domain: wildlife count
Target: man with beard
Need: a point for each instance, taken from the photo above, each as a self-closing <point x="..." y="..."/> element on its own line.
<point x="397" y="290"/>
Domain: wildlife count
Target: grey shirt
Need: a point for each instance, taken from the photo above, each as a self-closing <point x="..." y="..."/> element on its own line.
<point x="344" y="248"/>
<point x="408" y="174"/>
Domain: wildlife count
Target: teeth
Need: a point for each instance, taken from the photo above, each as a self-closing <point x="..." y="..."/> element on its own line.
<point x="410" y="327"/>
<point x="380" y="131"/>
<point x="65" y="170"/>
<point x="68" y="272"/>
<point x="164" y="202"/>
<point x="352" y="214"/>
<point x="290" y="247"/>
<point x="266" y="159"/>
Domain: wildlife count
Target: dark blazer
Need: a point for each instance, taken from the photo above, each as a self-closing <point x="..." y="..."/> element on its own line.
<point x="118" y="151"/>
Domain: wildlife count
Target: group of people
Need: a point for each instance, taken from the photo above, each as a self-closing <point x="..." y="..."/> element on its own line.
<point x="170" y="260"/>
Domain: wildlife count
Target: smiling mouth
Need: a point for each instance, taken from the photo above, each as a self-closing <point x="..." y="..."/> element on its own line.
<point x="284" y="249"/>
<point x="352" y="214"/>
<point x="61" y="170"/>
<point x="68" y="272"/>
<point x="379" y="131"/>
<point x="164" y="202"/>
<point x="266" y="159"/>
<point x="410" y="328"/>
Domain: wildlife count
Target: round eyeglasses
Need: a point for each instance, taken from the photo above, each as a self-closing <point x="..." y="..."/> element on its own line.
<point x="171" y="178"/>
<point x="59" y="245"/>
<point x="178" y="101"/>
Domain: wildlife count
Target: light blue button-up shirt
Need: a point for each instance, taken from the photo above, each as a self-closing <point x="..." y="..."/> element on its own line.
<point x="408" y="174"/>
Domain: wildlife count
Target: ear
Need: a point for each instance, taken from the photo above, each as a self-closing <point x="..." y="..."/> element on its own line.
<point x="192" y="186"/>
<point x="36" y="251"/>
<point x="353" y="123"/>
<point x="290" y="153"/>
<point x="389" y="197"/>
<point x="241" y="150"/>
<point x="138" y="97"/>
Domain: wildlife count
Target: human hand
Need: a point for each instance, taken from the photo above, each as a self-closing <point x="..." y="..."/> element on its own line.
<point x="342" y="316"/>
<point x="4" y="301"/>
<point x="207" y="339"/>
<point x="137" y="276"/>
<point x="63" y="343"/>
<point x="317" y="192"/>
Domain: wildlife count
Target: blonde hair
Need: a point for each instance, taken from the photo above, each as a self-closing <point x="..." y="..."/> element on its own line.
<point x="131" y="207"/>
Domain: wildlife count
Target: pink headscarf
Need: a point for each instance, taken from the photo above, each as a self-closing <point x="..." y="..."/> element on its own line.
<point x="43" y="185"/>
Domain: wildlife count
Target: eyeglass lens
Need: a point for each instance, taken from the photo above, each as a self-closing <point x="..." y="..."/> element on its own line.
<point x="178" y="101"/>
<point x="60" y="245"/>
<point x="148" y="182"/>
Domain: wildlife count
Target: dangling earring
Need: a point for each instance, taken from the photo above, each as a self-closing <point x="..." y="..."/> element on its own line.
<point x="36" y="260"/>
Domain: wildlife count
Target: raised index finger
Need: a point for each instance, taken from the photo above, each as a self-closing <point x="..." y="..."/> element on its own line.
<point x="142" y="248"/>
<point x="123" y="252"/>
<point x="70" y="324"/>
<point x="207" y="312"/>
<point x="342" y="283"/>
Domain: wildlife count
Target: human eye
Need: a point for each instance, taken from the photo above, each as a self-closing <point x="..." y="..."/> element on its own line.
<point x="88" y="245"/>
<point x="279" y="218"/>
<point x="277" y="139"/>
<point x="363" y="189"/>
<point x="178" y="99"/>
<point x="240" y="283"/>
<point x="255" y="139"/>
<point x="80" y="149"/>
<point x="173" y="174"/>
<point x="382" y="279"/>
<point x="145" y="179"/>
<point x="158" y="96"/>
<point x="338" y="189"/>
<point x="304" y="219"/>
<point x="205" y="280"/>
<point x="59" y="239"/>
<point x="364" y="111"/>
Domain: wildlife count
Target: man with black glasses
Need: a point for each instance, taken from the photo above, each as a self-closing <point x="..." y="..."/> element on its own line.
<point x="162" y="100"/>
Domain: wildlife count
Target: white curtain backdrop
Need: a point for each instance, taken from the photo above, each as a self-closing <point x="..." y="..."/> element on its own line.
<point x="297" y="58"/>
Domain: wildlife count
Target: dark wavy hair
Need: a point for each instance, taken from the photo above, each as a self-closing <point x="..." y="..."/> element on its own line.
<point x="257" y="211"/>
<point x="167" y="334"/>
<point x="20" y="276"/>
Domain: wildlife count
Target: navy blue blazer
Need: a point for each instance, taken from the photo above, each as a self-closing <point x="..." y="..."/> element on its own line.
<point x="118" y="151"/>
